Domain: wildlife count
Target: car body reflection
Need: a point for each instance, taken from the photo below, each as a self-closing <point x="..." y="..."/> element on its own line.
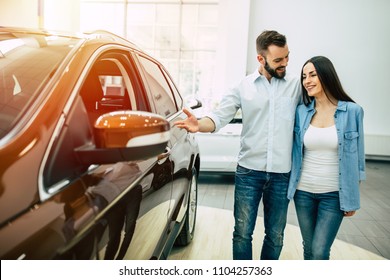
<point x="92" y="166"/>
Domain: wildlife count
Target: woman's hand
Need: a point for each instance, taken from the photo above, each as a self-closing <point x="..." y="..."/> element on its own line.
<point x="349" y="213"/>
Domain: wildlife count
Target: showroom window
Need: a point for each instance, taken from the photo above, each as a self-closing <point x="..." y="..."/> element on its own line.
<point x="182" y="34"/>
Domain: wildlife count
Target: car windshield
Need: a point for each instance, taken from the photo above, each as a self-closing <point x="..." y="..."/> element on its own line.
<point x="27" y="62"/>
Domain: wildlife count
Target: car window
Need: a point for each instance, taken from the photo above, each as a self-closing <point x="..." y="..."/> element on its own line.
<point x="178" y="97"/>
<point x="159" y="87"/>
<point x="63" y="166"/>
<point x="107" y="87"/>
<point x="26" y="66"/>
<point x="104" y="89"/>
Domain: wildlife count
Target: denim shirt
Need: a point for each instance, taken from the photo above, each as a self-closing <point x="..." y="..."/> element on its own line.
<point x="349" y="125"/>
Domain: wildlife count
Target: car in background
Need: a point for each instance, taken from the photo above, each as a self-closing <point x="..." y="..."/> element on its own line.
<point x="91" y="164"/>
<point x="219" y="150"/>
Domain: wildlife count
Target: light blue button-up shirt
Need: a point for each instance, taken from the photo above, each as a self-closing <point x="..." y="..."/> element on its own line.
<point x="268" y="111"/>
<point x="351" y="155"/>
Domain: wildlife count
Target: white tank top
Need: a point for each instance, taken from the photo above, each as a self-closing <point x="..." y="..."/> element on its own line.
<point x="320" y="166"/>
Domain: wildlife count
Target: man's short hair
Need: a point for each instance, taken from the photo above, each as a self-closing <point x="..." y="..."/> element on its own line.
<point x="268" y="38"/>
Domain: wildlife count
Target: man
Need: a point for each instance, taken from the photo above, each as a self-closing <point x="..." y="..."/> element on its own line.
<point x="268" y="99"/>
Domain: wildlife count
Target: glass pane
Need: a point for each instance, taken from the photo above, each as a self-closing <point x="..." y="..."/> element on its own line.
<point x="167" y="37"/>
<point x="178" y="97"/>
<point x="207" y="38"/>
<point x="104" y="1"/>
<point x="167" y="54"/>
<point x="158" y="1"/>
<point x="207" y="56"/>
<point x="187" y="83"/>
<point x="159" y="88"/>
<point x="112" y="85"/>
<point x="142" y="35"/>
<point x="205" y="74"/>
<point x="168" y="14"/>
<point x="155" y="26"/>
<point x="141" y="13"/>
<point x="189" y="14"/>
<point x="104" y="16"/>
<point x="188" y="36"/>
<point x="172" y="67"/>
<point x="26" y="67"/>
<point x="186" y="55"/>
<point x="208" y="14"/>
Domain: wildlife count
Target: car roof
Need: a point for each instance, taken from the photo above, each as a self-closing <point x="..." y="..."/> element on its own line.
<point x="65" y="46"/>
<point x="88" y="36"/>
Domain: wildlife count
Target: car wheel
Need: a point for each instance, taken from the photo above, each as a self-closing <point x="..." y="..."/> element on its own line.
<point x="187" y="233"/>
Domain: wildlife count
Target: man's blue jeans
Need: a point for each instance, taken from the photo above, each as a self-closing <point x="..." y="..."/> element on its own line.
<point x="319" y="218"/>
<point x="250" y="187"/>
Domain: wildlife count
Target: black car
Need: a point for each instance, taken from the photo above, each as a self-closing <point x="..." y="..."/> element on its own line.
<point x="91" y="164"/>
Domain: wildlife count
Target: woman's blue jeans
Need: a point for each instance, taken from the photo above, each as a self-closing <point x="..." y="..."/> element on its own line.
<point x="250" y="187"/>
<point x="319" y="218"/>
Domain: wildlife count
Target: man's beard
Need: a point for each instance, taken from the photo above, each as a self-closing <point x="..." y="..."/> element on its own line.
<point x="273" y="72"/>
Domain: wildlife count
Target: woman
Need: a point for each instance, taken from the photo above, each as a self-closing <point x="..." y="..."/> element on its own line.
<point x="328" y="157"/>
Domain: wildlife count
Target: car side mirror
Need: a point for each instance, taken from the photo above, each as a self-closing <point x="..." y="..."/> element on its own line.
<point x="126" y="136"/>
<point x="193" y="103"/>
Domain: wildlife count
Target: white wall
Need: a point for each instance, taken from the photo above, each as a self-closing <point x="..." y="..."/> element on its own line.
<point x="232" y="43"/>
<point x="354" y="34"/>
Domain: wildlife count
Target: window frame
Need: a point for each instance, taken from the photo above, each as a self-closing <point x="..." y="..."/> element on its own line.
<point x="48" y="187"/>
<point x="146" y="83"/>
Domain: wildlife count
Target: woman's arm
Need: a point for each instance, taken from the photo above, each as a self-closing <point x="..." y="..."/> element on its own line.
<point x="361" y="151"/>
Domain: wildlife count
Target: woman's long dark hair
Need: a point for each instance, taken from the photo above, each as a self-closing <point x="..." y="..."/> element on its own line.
<point x="329" y="80"/>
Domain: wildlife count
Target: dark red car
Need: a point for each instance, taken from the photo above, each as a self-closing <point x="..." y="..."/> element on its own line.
<point x="91" y="166"/>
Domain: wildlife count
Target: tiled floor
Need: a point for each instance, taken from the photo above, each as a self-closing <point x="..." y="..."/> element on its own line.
<point x="368" y="229"/>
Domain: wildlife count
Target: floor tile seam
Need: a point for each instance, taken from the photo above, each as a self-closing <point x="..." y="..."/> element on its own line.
<point x="379" y="248"/>
<point x="376" y="251"/>
<point x="377" y="224"/>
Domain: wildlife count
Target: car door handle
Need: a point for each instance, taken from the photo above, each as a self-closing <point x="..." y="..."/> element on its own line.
<point x="161" y="158"/>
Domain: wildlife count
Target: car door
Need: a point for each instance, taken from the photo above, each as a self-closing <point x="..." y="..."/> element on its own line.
<point x="180" y="154"/>
<point x="111" y="211"/>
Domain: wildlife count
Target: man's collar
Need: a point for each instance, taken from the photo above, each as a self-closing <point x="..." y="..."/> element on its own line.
<point x="257" y="75"/>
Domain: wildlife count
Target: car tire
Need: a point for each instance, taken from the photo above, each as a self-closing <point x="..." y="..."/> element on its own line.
<point x="187" y="233"/>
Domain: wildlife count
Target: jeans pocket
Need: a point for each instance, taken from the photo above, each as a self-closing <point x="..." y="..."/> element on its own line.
<point x="285" y="176"/>
<point x="242" y="170"/>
